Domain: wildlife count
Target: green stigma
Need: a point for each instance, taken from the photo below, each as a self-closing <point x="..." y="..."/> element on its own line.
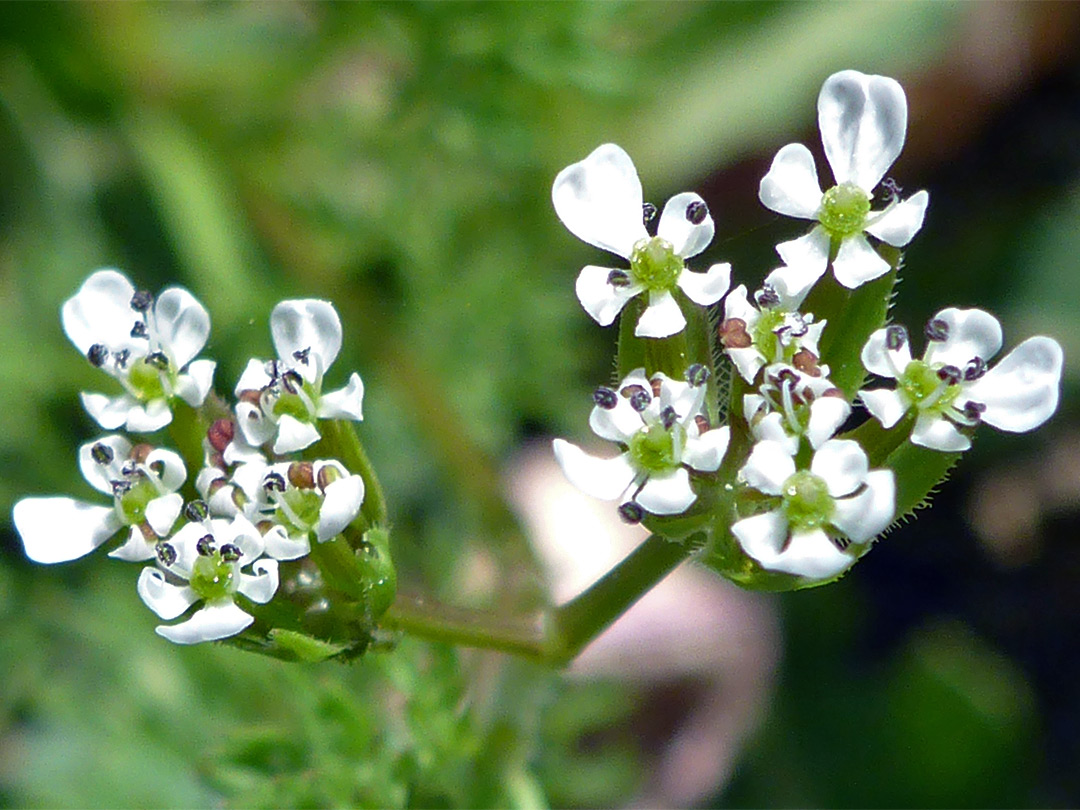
<point x="133" y="502"/>
<point x="654" y="450"/>
<point x="655" y="265"/>
<point x="145" y="380"/>
<point x="844" y="209"/>
<point x="922" y="386"/>
<point x="213" y="578"/>
<point x="806" y="501"/>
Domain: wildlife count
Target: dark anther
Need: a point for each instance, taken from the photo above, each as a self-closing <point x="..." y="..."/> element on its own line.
<point x="631" y="512"/>
<point x="733" y="334"/>
<point x="272" y="371"/>
<point x="302" y="474"/>
<point x="205" y="545"/>
<point x="702" y="423"/>
<point x="166" y="554"/>
<point x="120" y="488"/>
<point x="657" y="385"/>
<point x="292" y="381"/>
<point x="196" y="511"/>
<point x="301" y="355"/>
<point x="138" y="330"/>
<point x="618" y="278"/>
<point x="668" y="417"/>
<point x="797" y="328"/>
<point x="101" y="453"/>
<point x="230" y="552"/>
<point x="786" y="376"/>
<point x="97" y="355"/>
<point x="697" y="374"/>
<point x="274" y="482"/>
<point x="605" y="398"/>
<point x="892" y="188"/>
<point x="640" y="400"/>
<point x="974" y="410"/>
<point x="937" y="330"/>
<point x="220" y="433"/>
<point x="158" y="360"/>
<point x="895" y="337"/>
<point x="157" y="467"/>
<point x="766" y="297"/>
<point x="975" y="369"/>
<point x="121" y="358"/>
<point x="696" y="212"/>
<point x="806" y="362"/>
<point x="129" y="468"/>
<point x="950" y="374"/>
<point x="648" y="213"/>
<point x="142" y="301"/>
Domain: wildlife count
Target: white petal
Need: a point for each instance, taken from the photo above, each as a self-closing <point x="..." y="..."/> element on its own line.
<point x="667" y="493"/>
<point x="708" y="287"/>
<point x="807" y="256"/>
<point x="810" y="339"/>
<point x="135" y="549"/>
<point x="662" y="318"/>
<point x="771" y="428"/>
<point x="210" y="623"/>
<point x="281" y="546"/>
<point x="306" y="324"/>
<point x="603" y="301"/>
<point x="687" y="400"/>
<point x="863" y="123"/>
<point x="341" y="504"/>
<point x="294" y="435"/>
<point x="255" y="428"/>
<point x="599" y="200"/>
<point x="148" y="417"/>
<point x="791" y="185"/>
<point x="109" y="412"/>
<point x="249" y="476"/>
<point x="938" y="433"/>
<point x="261" y="587"/>
<point x="811" y="555"/>
<point x="768" y="467"/>
<point x="869" y="513"/>
<point x="161" y="513"/>
<point x="166" y="600"/>
<point x="900" y="223"/>
<point x="196" y="382"/>
<point x="618" y="424"/>
<point x="707" y="451"/>
<point x="971" y="333"/>
<point x="61" y="529"/>
<point x="603" y="478"/>
<point x="183" y="324"/>
<point x="100" y="312"/>
<point x="686" y="238"/>
<point x="888" y="407"/>
<point x="878" y="359"/>
<point x="827" y="414"/>
<point x="185" y="543"/>
<point x="206" y="477"/>
<point x="748" y="361"/>
<point x="238" y="451"/>
<point x="737" y="305"/>
<point x="857" y="262"/>
<point x="172" y="473"/>
<point x="762" y="536"/>
<point x="100" y="476"/>
<point x="1020" y="392"/>
<point x="345" y="403"/>
<point x="794" y="283"/>
<point x="254" y="377"/>
<point x="241" y="533"/>
<point x="842" y="464"/>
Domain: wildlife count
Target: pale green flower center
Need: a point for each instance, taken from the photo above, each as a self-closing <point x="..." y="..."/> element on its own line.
<point x="657" y="450"/>
<point x="844" y="209"/>
<point x="145" y="380"/>
<point x="806" y="501"/>
<point x="655" y="265"/>
<point x="300" y="510"/>
<point x="213" y="578"/>
<point x="133" y="502"/>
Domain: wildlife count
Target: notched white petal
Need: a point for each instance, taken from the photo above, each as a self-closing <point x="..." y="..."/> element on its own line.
<point x="209" y="623"/>
<point x="842" y="464"/>
<point x="768" y="467"/>
<point x="878" y="359"/>
<point x="281" y="546"/>
<point x="166" y="600"/>
<point x="791" y="185"/>
<point x="340" y="506"/>
<point x="888" y="407"/>
<point x="59" y="529"/>
<point x="705" y="452"/>
<point x="306" y="325"/>
<point x="971" y="333"/>
<point x="857" y="262"/>
<point x="135" y="549"/>
<point x="662" y="318"/>
<point x="603" y="478"/>
<point x="687" y="239"/>
<point x="899" y="224"/>
<point x="938" y="433"/>
<point x="603" y="301"/>
<point x="827" y="414"/>
<point x="148" y="417"/>
<point x="706" y="288"/>
<point x="98" y="475"/>
<point x="345" y="403"/>
<point x="261" y="586"/>
<point x="869" y="513"/>
<point x="109" y="412"/>
<point x="807" y="256"/>
<point x="618" y="424"/>
<point x="161" y="513"/>
<point x="183" y="324"/>
<point x="293" y="435"/>
<point x="1020" y="392"/>
<point x="667" y="493"/>
<point x="100" y="312"/>
<point x="196" y="382"/>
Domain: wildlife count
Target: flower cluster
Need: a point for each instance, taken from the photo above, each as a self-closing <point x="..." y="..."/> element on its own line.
<point x="798" y="497"/>
<point x="216" y="540"/>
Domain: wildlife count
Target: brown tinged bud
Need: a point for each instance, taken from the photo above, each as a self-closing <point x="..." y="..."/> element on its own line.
<point x="733" y="334"/>
<point x="702" y="423"/>
<point x="251" y="396"/>
<point x="139" y="452"/>
<point x="302" y="474"/>
<point x="833" y="392"/>
<point x="328" y="474"/>
<point x="220" y="433"/>
<point x="655" y="384"/>
<point x="806" y="362"/>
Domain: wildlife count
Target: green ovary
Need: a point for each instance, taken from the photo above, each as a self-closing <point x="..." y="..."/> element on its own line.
<point x="133" y="502"/>
<point x="145" y="380"/>
<point x="654" y="450"/>
<point x="922" y="386"/>
<point x="806" y="501"/>
<point x="655" y="265"/>
<point x="844" y="209"/>
<point x="304" y="505"/>
<point x="213" y="578"/>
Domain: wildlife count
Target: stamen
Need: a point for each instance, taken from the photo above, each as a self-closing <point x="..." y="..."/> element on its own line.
<point x="937" y="330"/>
<point x="102" y="453"/>
<point x="142" y="301"/>
<point x="197" y="511"/>
<point x="158" y="360"/>
<point x="973" y="411"/>
<point x="166" y="553"/>
<point x="697" y="374"/>
<point x="619" y="278"/>
<point x="292" y="381"/>
<point x="205" y="545"/>
<point x="274" y="482"/>
<point x="120" y="488"/>
<point x="696" y="212"/>
<point x="301" y="356"/>
<point x="950" y="374"/>
<point x="668" y="417"/>
<point x="975" y="369"/>
<point x="129" y="468"/>
<point x="97" y="355"/>
<point x="121" y="358"/>
<point x="230" y="552"/>
<point x="892" y="188"/>
<point x="702" y="423"/>
<point x="631" y="512"/>
<point x="766" y="297"/>
<point x="640" y="400"/>
<point x="657" y="385"/>
<point x="138" y="330"/>
<point x="605" y="398"/>
<point x="896" y="337"/>
<point x="648" y="213"/>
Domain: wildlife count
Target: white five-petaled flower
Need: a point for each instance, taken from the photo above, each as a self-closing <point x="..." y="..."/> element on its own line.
<point x="837" y="493"/>
<point x="142" y="482"/>
<point x="790" y="404"/>
<point x="863" y="123"/>
<point x="772" y="332"/>
<point x="209" y="556"/>
<point x="600" y="201"/>
<point x="297" y="498"/>
<point x="280" y="400"/>
<point x="952" y="385"/>
<point x="148" y="345"/>
<point x="661" y="424"/>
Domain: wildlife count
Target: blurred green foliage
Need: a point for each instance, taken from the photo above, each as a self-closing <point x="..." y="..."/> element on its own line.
<point x="397" y="159"/>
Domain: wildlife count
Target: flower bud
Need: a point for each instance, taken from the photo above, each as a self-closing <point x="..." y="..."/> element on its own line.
<point x="302" y="474"/>
<point x="328" y="474"/>
<point x="221" y="432"/>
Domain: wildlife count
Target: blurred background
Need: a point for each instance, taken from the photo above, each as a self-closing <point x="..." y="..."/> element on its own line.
<point x="398" y="159"/>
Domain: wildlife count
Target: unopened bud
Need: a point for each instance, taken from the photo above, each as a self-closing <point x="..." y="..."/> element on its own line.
<point x="140" y="452"/>
<point x="733" y="334"/>
<point x="806" y="362"/>
<point x="250" y="396"/>
<point x="302" y="474"/>
<point x="328" y="474"/>
<point x="220" y="433"/>
<point x="702" y="423"/>
<point x="656" y="384"/>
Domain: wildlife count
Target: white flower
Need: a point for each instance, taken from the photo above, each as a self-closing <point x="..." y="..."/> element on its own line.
<point x="209" y="556"/>
<point x="863" y="123"/>
<point x="952" y="385"/>
<point x="661" y="424"/>
<point x="148" y="346"/>
<point x="142" y="483"/>
<point x="600" y="202"/>
<point x="775" y="333"/>
<point x="280" y="400"/>
<point x="791" y="404"/>
<point x="837" y="493"/>
<point x="299" y="498"/>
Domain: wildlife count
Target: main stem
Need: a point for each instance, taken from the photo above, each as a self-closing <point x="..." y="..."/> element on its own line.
<point x="553" y="636"/>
